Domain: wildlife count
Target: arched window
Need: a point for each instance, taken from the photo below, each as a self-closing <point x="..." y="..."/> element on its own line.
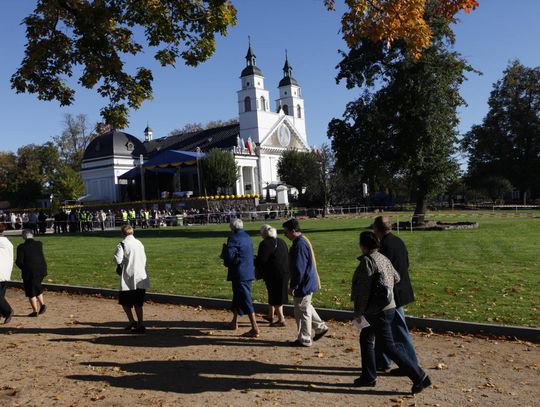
<point x="299" y="111"/>
<point x="247" y="104"/>
<point x="263" y="103"/>
<point x="286" y="109"/>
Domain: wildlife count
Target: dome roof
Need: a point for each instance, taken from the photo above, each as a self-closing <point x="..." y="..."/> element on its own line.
<point x="288" y="80"/>
<point x="251" y="70"/>
<point x="114" y="143"/>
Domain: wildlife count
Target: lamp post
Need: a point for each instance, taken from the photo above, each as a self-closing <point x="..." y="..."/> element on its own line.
<point x="143" y="186"/>
<point x="198" y="149"/>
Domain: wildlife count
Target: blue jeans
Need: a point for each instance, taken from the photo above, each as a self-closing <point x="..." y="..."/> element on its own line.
<point x="402" y="339"/>
<point x="380" y="331"/>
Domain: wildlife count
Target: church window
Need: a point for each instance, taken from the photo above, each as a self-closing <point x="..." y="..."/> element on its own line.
<point x="286" y="109"/>
<point x="130" y="146"/>
<point x="263" y="103"/>
<point x="299" y="111"/>
<point x="247" y="83"/>
<point x="247" y="104"/>
<point x="285" y="92"/>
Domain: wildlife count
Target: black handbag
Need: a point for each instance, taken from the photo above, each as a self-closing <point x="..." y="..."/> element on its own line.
<point x="120" y="267"/>
<point x="380" y="295"/>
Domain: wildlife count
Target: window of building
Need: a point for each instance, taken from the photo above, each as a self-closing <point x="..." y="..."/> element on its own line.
<point x="299" y="111"/>
<point x="286" y="109"/>
<point x="263" y="103"/>
<point x="247" y="104"/>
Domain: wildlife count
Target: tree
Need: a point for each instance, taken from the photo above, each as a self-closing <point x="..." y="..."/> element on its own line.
<point x="96" y="37"/>
<point x="404" y="123"/>
<point x="390" y="20"/>
<point x="219" y="171"/>
<point x="299" y="169"/>
<point x="65" y="183"/>
<point x="507" y="143"/>
<point x="8" y="172"/>
<point x="74" y="139"/>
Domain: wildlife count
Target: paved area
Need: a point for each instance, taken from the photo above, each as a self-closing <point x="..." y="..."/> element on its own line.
<point x="77" y="354"/>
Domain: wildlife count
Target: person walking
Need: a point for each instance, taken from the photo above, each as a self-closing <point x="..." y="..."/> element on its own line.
<point x="130" y="256"/>
<point x="31" y="261"/>
<point x="373" y="271"/>
<point x="6" y="267"/>
<point x="237" y="255"/>
<point x="272" y="263"/>
<point x="395" y="250"/>
<point x="304" y="282"/>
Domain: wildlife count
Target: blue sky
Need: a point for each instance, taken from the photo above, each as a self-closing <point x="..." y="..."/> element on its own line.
<point x="489" y="38"/>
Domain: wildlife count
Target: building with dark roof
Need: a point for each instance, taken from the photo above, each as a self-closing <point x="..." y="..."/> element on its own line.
<point x="257" y="141"/>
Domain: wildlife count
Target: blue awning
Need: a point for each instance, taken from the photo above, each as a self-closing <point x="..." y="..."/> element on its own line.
<point x="136" y="172"/>
<point x="173" y="159"/>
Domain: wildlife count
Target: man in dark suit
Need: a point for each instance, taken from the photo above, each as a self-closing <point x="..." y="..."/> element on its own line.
<point x="31" y="261"/>
<point x="396" y="251"/>
<point x="237" y="256"/>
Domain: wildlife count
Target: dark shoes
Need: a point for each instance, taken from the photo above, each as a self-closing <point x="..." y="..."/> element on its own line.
<point x="33" y="314"/>
<point x="297" y="344"/>
<point x="384" y="369"/>
<point x="277" y="324"/>
<point x="8" y="318"/>
<point x="42" y="309"/>
<point x="320" y="335"/>
<point x="132" y="325"/>
<point x="139" y="330"/>
<point x="363" y="382"/>
<point x="417" y="388"/>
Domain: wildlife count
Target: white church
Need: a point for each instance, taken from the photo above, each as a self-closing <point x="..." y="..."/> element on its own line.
<point x="112" y="161"/>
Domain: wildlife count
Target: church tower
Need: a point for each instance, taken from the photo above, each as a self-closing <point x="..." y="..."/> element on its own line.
<point x="253" y="102"/>
<point x="290" y="100"/>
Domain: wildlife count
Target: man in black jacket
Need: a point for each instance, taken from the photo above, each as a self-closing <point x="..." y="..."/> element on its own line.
<point x="394" y="248"/>
<point x="31" y="261"/>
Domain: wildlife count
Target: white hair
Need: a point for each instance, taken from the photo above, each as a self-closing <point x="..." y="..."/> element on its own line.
<point x="237" y="224"/>
<point x="268" y="231"/>
<point x="27" y="234"/>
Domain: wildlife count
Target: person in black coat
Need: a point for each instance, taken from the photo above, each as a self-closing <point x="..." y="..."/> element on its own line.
<point x="31" y="261"/>
<point x="272" y="264"/>
<point x="396" y="251"/>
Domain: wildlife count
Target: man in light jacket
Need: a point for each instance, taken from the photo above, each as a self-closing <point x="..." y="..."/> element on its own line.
<point x="134" y="282"/>
<point x="6" y="266"/>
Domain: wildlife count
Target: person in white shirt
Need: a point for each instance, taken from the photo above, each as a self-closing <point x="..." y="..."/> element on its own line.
<point x="6" y="267"/>
<point x="131" y="259"/>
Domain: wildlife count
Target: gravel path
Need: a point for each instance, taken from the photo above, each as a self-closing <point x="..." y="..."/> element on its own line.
<point x="77" y="354"/>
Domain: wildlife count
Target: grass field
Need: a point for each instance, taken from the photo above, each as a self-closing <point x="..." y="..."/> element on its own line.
<point x="488" y="274"/>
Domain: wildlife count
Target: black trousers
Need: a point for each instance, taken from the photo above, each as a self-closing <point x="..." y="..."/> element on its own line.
<point x="5" y="308"/>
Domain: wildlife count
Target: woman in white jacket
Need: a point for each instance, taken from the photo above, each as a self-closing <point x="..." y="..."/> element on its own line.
<point x="131" y="258"/>
<point x="6" y="266"/>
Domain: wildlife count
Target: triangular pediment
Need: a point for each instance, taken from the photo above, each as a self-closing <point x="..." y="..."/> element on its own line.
<point x="283" y="135"/>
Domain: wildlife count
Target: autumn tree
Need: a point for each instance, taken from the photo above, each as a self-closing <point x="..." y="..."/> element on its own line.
<point x="507" y="143"/>
<point x="404" y="123"/>
<point x="389" y="20"/>
<point x="95" y="38"/>
<point x="219" y="171"/>
<point x="74" y="139"/>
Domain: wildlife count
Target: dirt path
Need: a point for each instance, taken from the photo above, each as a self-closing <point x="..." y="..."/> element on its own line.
<point x="78" y="354"/>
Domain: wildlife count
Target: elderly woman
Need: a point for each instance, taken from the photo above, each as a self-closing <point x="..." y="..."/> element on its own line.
<point x="131" y="259"/>
<point x="6" y="267"/>
<point x="272" y="262"/>
<point x="379" y="315"/>
<point x="237" y="256"/>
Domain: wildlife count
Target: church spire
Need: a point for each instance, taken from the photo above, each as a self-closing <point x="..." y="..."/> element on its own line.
<point x="250" y="56"/>
<point x="287" y="69"/>
<point x="251" y="68"/>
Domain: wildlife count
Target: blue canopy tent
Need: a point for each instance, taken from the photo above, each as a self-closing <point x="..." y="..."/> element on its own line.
<point x="174" y="159"/>
<point x="136" y="172"/>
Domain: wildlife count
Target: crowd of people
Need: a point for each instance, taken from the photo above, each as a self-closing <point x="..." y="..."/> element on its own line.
<point x="380" y="289"/>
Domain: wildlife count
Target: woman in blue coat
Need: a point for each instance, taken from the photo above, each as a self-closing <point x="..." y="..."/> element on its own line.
<point x="237" y="256"/>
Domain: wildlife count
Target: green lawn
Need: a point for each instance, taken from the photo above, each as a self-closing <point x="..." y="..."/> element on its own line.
<point x="489" y="274"/>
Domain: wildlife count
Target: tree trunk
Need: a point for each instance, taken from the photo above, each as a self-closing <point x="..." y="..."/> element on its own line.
<point x="419" y="216"/>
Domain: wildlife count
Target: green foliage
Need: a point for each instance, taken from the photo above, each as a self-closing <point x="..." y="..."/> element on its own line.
<point x="299" y="169"/>
<point x="96" y="37"/>
<point x="488" y="274"/>
<point x="66" y="183"/>
<point x="219" y="171"/>
<point x="403" y="126"/>
<point x="8" y="172"/>
<point x="507" y="143"/>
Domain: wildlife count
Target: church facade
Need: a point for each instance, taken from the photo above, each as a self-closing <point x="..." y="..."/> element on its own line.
<point x="257" y="141"/>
